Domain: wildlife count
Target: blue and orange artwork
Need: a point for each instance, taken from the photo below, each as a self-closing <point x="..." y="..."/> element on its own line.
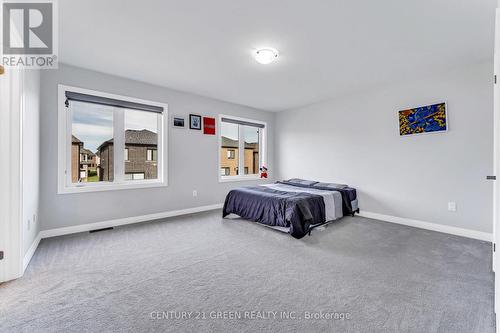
<point x="424" y="119"/>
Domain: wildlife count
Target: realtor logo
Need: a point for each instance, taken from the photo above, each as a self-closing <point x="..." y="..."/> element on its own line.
<point x="29" y="34"/>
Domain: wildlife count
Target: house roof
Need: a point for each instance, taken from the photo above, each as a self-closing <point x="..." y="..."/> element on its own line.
<point x="230" y="143"/>
<point x="142" y="137"/>
<point x="136" y="137"/>
<point x="74" y="139"/>
<point x="88" y="152"/>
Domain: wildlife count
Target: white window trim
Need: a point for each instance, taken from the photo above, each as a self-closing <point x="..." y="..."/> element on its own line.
<point x="241" y="152"/>
<point x="64" y="184"/>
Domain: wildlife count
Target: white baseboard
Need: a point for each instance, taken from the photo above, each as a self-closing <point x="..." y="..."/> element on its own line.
<point x="31" y="251"/>
<point x="123" y="221"/>
<point x="484" y="236"/>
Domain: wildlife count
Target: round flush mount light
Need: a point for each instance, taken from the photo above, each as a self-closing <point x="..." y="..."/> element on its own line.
<point x="266" y="55"/>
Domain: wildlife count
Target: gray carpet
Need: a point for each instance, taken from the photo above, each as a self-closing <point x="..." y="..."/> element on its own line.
<point x="370" y="276"/>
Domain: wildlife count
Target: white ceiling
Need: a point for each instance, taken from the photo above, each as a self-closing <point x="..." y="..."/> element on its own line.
<point x="327" y="48"/>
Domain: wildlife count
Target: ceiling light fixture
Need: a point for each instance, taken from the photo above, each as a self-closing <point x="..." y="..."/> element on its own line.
<point x="266" y="55"/>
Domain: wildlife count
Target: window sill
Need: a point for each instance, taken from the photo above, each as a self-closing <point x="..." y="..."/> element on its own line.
<point x="131" y="185"/>
<point x="228" y="179"/>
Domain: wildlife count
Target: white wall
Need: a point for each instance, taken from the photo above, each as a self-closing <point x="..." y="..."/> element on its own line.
<point x="355" y="140"/>
<point x="192" y="156"/>
<point x="30" y="156"/>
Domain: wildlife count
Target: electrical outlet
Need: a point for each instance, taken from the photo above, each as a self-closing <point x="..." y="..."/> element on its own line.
<point x="195" y="193"/>
<point x="452" y="206"/>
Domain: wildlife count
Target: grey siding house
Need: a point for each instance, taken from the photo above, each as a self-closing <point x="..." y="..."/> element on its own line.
<point x="141" y="156"/>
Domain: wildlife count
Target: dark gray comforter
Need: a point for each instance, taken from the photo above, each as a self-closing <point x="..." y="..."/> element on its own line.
<point x="348" y="193"/>
<point x="297" y="211"/>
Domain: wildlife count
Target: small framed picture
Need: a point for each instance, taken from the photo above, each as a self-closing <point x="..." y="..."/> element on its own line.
<point x="178" y="122"/>
<point x="208" y="126"/>
<point x="195" y="122"/>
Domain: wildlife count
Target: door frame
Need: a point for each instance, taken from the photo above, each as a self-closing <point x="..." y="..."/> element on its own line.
<point x="11" y="117"/>
<point x="496" y="167"/>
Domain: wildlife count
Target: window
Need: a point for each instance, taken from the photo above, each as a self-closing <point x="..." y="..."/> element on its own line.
<point x="91" y="124"/>
<point x="241" y="146"/>
<point x="251" y="156"/>
<point x="134" y="176"/>
<point x="229" y="145"/>
<point x="109" y="142"/>
<point x="141" y="141"/>
<point x="224" y="171"/>
<point x="151" y="155"/>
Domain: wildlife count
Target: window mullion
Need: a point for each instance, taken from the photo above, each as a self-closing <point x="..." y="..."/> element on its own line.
<point x="262" y="148"/>
<point x="241" y="151"/>
<point x="159" y="149"/>
<point x="119" y="145"/>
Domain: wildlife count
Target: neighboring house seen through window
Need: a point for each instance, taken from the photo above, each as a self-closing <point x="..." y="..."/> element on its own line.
<point x="141" y="139"/>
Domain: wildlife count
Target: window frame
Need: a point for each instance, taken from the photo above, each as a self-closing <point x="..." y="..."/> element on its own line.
<point x="241" y="152"/>
<point x="66" y="186"/>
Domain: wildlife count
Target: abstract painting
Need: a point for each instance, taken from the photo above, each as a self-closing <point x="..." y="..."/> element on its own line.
<point x="424" y="119"/>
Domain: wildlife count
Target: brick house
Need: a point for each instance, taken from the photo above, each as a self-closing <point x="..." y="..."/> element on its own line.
<point x="229" y="157"/>
<point x="141" y="156"/>
<point x="76" y="147"/>
<point x="83" y="161"/>
<point x="88" y="163"/>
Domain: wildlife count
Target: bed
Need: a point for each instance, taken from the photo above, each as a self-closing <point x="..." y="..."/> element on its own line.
<point x="295" y="206"/>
